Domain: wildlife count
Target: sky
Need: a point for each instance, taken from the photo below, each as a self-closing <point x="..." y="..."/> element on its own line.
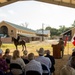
<point x="35" y="14"/>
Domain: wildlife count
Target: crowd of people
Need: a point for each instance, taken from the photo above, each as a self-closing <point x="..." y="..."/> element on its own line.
<point x="43" y="64"/>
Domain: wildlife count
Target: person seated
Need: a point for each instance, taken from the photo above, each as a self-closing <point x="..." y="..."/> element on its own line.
<point x="17" y="60"/>
<point x="52" y="69"/>
<point x="69" y="70"/>
<point x="43" y="60"/>
<point x="69" y="60"/>
<point x="33" y="65"/>
<point x="18" y="38"/>
<point x="3" y="65"/>
<point x="24" y="57"/>
<point x="6" y="56"/>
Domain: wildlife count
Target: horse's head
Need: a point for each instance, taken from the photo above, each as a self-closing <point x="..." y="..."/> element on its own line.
<point x="13" y="39"/>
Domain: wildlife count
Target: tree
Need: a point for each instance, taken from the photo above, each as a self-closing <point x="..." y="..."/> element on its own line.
<point x="62" y="29"/>
<point x="53" y="31"/>
<point x="73" y="25"/>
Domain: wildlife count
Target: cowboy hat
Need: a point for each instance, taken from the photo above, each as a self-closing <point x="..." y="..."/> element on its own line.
<point x="40" y="51"/>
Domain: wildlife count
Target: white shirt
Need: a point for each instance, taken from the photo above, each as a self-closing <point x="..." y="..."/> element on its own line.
<point x="44" y="60"/>
<point x="20" y="62"/>
<point x="34" y="65"/>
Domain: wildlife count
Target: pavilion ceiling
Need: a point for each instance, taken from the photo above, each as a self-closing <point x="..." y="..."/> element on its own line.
<point x="68" y="3"/>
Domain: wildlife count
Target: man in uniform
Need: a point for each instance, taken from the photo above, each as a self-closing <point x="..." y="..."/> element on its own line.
<point x="61" y="42"/>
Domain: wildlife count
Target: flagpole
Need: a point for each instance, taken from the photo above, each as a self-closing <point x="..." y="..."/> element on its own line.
<point x="68" y="47"/>
<point x="67" y="43"/>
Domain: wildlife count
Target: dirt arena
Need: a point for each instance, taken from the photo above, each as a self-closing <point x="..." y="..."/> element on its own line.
<point x="33" y="46"/>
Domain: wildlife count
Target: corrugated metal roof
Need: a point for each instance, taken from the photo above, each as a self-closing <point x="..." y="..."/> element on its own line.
<point x="44" y="32"/>
<point x="20" y="27"/>
<point x="28" y="35"/>
<point x="67" y="30"/>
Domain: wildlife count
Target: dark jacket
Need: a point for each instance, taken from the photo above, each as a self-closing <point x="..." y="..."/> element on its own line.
<point x="52" y="69"/>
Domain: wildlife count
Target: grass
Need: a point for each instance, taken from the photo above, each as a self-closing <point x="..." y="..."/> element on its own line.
<point x="33" y="46"/>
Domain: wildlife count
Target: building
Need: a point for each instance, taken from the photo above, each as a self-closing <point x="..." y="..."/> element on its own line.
<point x="70" y="33"/>
<point x="43" y="34"/>
<point x="8" y="30"/>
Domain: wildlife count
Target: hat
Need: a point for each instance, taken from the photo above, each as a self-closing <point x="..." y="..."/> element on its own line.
<point x="73" y="49"/>
<point x="41" y="51"/>
<point x="1" y="51"/>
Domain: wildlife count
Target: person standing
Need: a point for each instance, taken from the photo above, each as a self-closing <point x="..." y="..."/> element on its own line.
<point x="61" y="43"/>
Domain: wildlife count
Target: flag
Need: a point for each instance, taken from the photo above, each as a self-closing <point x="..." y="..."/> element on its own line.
<point x="73" y="40"/>
<point x="66" y="39"/>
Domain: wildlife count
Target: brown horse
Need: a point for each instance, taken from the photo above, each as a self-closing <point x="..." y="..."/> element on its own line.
<point x="16" y="43"/>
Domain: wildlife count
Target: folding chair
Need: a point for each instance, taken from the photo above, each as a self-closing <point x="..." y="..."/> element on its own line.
<point x="45" y="69"/>
<point x="1" y="72"/>
<point x="32" y="73"/>
<point x="17" y="68"/>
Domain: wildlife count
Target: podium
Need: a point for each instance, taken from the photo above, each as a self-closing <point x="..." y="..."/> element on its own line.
<point x="56" y="51"/>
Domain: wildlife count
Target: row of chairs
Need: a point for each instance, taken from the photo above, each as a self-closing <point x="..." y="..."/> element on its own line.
<point x="17" y="66"/>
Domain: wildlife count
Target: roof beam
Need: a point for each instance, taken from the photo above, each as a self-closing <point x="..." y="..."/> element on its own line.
<point x="68" y="3"/>
<point x="6" y="2"/>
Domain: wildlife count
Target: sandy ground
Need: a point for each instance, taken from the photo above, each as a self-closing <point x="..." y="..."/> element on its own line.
<point x="58" y="62"/>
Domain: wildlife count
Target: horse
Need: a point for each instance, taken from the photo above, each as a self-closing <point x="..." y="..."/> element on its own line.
<point x="16" y="43"/>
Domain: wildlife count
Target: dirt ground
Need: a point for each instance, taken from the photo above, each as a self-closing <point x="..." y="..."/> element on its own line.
<point x="47" y="45"/>
<point x="59" y="63"/>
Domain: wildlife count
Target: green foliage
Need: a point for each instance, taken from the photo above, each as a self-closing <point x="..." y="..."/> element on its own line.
<point x="56" y="32"/>
<point x="73" y="25"/>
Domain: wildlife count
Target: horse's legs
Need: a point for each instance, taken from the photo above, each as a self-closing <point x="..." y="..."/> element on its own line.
<point x="22" y="47"/>
<point x="16" y="47"/>
<point x="25" y="46"/>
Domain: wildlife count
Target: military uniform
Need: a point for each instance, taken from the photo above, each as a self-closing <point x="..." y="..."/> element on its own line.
<point x="61" y="42"/>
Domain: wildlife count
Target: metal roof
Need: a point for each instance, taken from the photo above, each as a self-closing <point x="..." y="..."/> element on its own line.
<point x="28" y="35"/>
<point x="45" y="32"/>
<point x="20" y="27"/>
